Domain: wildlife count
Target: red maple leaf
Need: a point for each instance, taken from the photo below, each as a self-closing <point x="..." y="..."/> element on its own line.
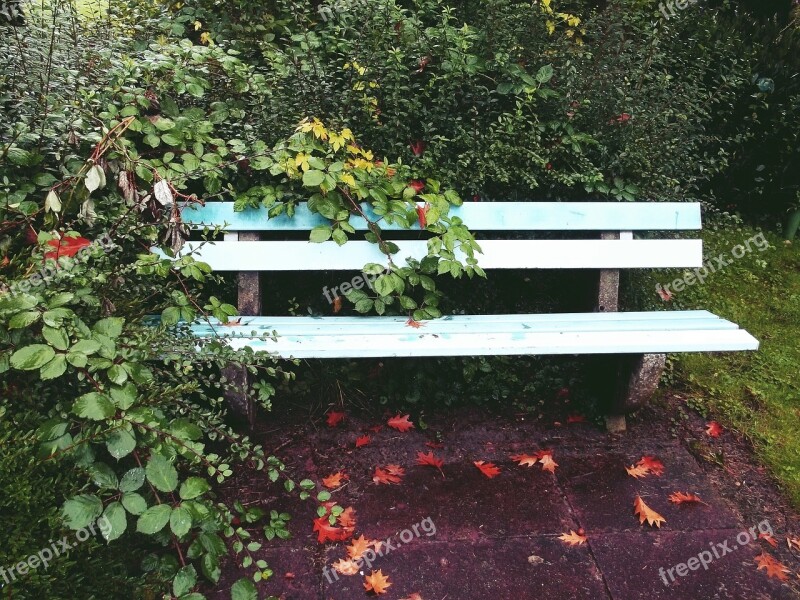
<point x="327" y="532"/>
<point x="391" y="474"/>
<point x="429" y="460"/>
<point x="402" y="424"/>
<point x="334" y="418"/>
<point x="66" y="246"/>
<point x="488" y="469"/>
<point x="422" y="213"/>
<point x="713" y="428"/>
<point x="362" y="441"/>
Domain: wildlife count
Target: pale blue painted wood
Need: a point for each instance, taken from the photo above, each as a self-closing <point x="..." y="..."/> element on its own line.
<point x="417" y="343"/>
<point x="497" y="254"/>
<point x="482" y="216"/>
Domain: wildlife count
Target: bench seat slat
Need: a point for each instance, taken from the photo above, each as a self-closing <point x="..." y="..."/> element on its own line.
<point x="483" y="216"/>
<point x="332" y="326"/>
<point x="497" y="254"/>
<point x="437" y="338"/>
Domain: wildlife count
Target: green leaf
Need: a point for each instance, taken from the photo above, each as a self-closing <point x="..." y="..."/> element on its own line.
<point x="103" y="476"/>
<point x="82" y="510"/>
<point x="114" y="523"/>
<point x="193" y="487"/>
<point x="244" y="589"/>
<point x="120" y="443"/>
<point x="320" y="234"/>
<point x="184" y="581"/>
<point x="123" y="396"/>
<point x="23" y="319"/>
<point x="85" y="346"/>
<point x="162" y="474"/>
<point x="55" y="368"/>
<point x="132" y="480"/>
<point x="32" y="357"/>
<point x="313" y="178"/>
<point x="95" y="178"/>
<point x="154" y="519"/>
<point x="180" y="521"/>
<point x="134" y="503"/>
<point x="111" y="326"/>
<point x="94" y="406"/>
<point x="56" y="337"/>
<point x="117" y="374"/>
<point x="544" y="74"/>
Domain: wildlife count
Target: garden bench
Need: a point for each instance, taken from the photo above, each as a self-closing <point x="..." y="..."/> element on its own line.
<point x="640" y="339"/>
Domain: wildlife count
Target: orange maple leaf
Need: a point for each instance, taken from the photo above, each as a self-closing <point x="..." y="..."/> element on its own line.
<point x="655" y="466"/>
<point x="335" y="480"/>
<point x="346" y="567"/>
<point x="347" y="518"/>
<point x="357" y="547"/>
<point x="684" y="498"/>
<point x="488" y="469"/>
<point x="645" y="513"/>
<point x="572" y="538"/>
<point x="327" y="532"/>
<point x="546" y="458"/>
<point x="334" y="418"/>
<point x="525" y="460"/>
<point x="402" y="424"/>
<point x="415" y="324"/>
<point x="429" y="460"/>
<point x="386" y="476"/>
<point x="713" y="428"/>
<point x="772" y="566"/>
<point x="362" y="441"/>
<point x="376" y="582"/>
<point x="637" y="471"/>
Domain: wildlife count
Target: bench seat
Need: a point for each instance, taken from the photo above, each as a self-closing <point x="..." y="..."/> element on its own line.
<point x="472" y="335"/>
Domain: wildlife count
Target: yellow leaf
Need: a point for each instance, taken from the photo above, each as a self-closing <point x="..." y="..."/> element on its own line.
<point x="551" y="27"/>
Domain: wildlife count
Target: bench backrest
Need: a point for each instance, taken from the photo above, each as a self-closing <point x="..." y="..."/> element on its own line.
<point x="615" y="223"/>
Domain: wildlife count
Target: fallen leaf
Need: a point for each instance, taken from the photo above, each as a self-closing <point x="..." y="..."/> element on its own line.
<point x="334" y="418"/>
<point x="335" y="480"/>
<point x="396" y="470"/>
<point x="637" y="471"/>
<point x="793" y="543"/>
<point x="357" y="547"/>
<point x="415" y="324"/>
<point x="655" y="466"/>
<point x="327" y="532"/>
<point x="429" y="460"/>
<point x="572" y="538"/>
<point x="525" y="460"/>
<point x="645" y="513"/>
<point x="346" y="567"/>
<point x="402" y="424"/>
<point x="232" y="323"/>
<point x="384" y="476"/>
<point x="376" y="428"/>
<point x="362" y="441"/>
<point x="434" y="445"/>
<point x="289" y="575"/>
<point x="769" y="539"/>
<point x="376" y="582"/>
<point x="337" y="304"/>
<point x="713" y="429"/>
<point x="548" y="464"/>
<point x="347" y="518"/>
<point x="413" y="596"/>
<point x="488" y="469"/>
<point x="683" y="498"/>
<point x="772" y="566"/>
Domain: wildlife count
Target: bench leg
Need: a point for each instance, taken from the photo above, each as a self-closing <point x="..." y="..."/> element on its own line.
<point x="638" y="378"/>
<point x="239" y="400"/>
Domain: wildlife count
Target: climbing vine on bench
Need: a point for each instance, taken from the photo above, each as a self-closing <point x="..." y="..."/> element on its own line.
<point x="339" y="179"/>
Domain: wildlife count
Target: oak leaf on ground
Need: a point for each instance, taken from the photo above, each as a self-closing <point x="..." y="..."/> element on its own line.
<point x="376" y="582"/>
<point x="573" y="538"/>
<point x="429" y="460"/>
<point x="488" y="469"/>
<point x="684" y="498"/>
<point x="645" y="513"/>
<point x="400" y="423"/>
<point x="772" y="566"/>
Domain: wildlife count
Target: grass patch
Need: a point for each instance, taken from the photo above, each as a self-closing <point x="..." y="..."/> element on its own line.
<point x="756" y="393"/>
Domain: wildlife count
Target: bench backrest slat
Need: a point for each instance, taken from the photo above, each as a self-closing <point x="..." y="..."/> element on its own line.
<point x="497" y="254"/>
<point x="484" y="216"/>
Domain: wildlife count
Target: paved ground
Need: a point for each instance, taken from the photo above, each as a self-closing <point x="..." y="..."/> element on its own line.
<point x="498" y="538"/>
